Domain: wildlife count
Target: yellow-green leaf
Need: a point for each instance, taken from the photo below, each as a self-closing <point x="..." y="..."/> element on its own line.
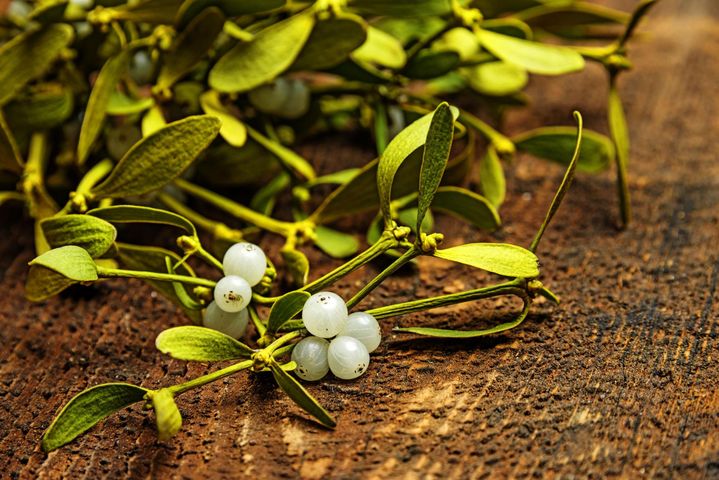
<point x="297" y="266"/>
<point x="381" y="49"/>
<point x="46" y="107"/>
<point x="286" y="307"/>
<point x="142" y="214"/>
<point x="500" y="258"/>
<point x="300" y="396"/>
<point x="120" y="104"/>
<point x="167" y="415"/>
<point x="297" y="165"/>
<point x="331" y="42"/>
<point x="491" y="178"/>
<point x="43" y="283"/>
<point x="497" y="78"/>
<point x="468" y="206"/>
<point x="93" y="234"/>
<point x="557" y="144"/>
<point x="10" y="158"/>
<point x="69" y="261"/>
<point x="334" y="243"/>
<point x="200" y="344"/>
<point x="232" y="129"/>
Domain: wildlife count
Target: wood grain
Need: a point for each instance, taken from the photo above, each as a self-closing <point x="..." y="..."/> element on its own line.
<point x="620" y="381"/>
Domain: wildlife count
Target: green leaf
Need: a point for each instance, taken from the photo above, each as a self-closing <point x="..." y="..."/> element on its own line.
<point x="152" y="121"/>
<point x="297" y="165"/>
<point x="620" y="136"/>
<point x="297" y="266"/>
<point x="434" y="159"/>
<point x="167" y="415"/>
<point x="381" y="49"/>
<point x="271" y="52"/>
<point x="190" y="47"/>
<point x="500" y="258"/>
<point x="43" y="283"/>
<point x="93" y="234"/>
<point x="69" y="261"/>
<point x="428" y="64"/>
<point x="300" y="396"/>
<point x="331" y="42"/>
<point x="86" y="409"/>
<point x="491" y="178"/>
<point x="402" y="8"/>
<point x="50" y="12"/>
<point x="264" y="200"/>
<point x="47" y="107"/>
<point x="232" y="130"/>
<point x="140" y="214"/>
<point x="159" y="158"/>
<point x="162" y="12"/>
<point x="29" y="55"/>
<point x="96" y="109"/>
<point x="231" y="8"/>
<point x="401" y="147"/>
<point x="10" y="158"/>
<point x="533" y="56"/>
<point x="557" y="144"/>
<point x="334" y="243"/>
<point x="497" y="78"/>
<point x="286" y="307"/>
<point x="564" y="186"/>
<point x="468" y="206"/>
<point x="120" y="104"/>
<point x="200" y="344"/>
<point x="642" y="9"/>
<point x="459" y="334"/>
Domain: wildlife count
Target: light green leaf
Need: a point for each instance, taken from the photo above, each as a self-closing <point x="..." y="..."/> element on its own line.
<point x="331" y="42"/>
<point x="381" y="49"/>
<point x="49" y="106"/>
<point x="10" y="158"/>
<point x="152" y="121"/>
<point x="162" y="12"/>
<point x="334" y="243"/>
<point x="339" y="177"/>
<point x="620" y="136"/>
<point x="86" y="409"/>
<point x="140" y="214"/>
<point x="434" y="159"/>
<point x="264" y="200"/>
<point x="167" y="415"/>
<point x="285" y="308"/>
<point x="69" y="261"/>
<point x="491" y="178"/>
<point x="402" y="8"/>
<point x="190" y="47"/>
<point x="297" y="266"/>
<point x="460" y="40"/>
<point x="401" y="147"/>
<point x="533" y="56"/>
<point x="497" y="78"/>
<point x="200" y="344"/>
<point x="159" y="158"/>
<point x="557" y="144"/>
<point x="96" y="109"/>
<point x="232" y="130"/>
<point x="43" y="283"/>
<point x="29" y="55"/>
<point x="300" y="396"/>
<point x="292" y="161"/>
<point x="271" y="52"/>
<point x="468" y="206"/>
<point x="448" y="333"/>
<point x="429" y="64"/>
<point x="231" y="8"/>
<point x="93" y="234"/>
<point x="120" y="104"/>
<point x="500" y="258"/>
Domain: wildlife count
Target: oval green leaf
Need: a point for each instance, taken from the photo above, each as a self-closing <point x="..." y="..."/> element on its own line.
<point x="381" y="49"/>
<point x="468" y="206"/>
<point x="533" y="56"/>
<point x="93" y="234"/>
<point x="48" y="107"/>
<point x="271" y="52"/>
<point x="120" y="104"/>
<point x="297" y="266"/>
<point x="43" y="283"/>
<point x="140" y="214"/>
<point x="334" y="243"/>
<point x="491" y="178"/>
<point x="200" y="344"/>
<point x="500" y="258"/>
<point x="167" y="416"/>
<point x="86" y="409"/>
<point x="286" y="307"/>
<point x="159" y="158"/>
<point x="232" y="130"/>
<point x="429" y="64"/>
<point x="497" y="78"/>
<point x="557" y="145"/>
<point x="300" y="396"/>
<point x="331" y="42"/>
<point x="72" y="262"/>
<point x="231" y="8"/>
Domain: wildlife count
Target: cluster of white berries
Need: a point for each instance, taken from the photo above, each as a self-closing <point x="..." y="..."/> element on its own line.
<point x="347" y="354"/>
<point x="244" y="265"/>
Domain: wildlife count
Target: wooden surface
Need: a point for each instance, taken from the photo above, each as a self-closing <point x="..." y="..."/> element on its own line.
<point x="621" y="380"/>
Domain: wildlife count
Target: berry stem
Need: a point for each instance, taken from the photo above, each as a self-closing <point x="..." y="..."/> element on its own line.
<point x="210" y="377"/>
<point x="374" y="283"/>
<point x="163" y="277"/>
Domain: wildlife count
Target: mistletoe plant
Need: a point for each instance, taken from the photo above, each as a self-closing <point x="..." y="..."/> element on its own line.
<point x="284" y="343"/>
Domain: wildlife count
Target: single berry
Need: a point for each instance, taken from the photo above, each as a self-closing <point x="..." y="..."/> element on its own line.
<point x="270" y="98"/>
<point x="363" y="327"/>
<point x="324" y="314"/>
<point x="245" y="260"/>
<point x="347" y="357"/>
<point x="232" y="324"/>
<point x="298" y="100"/>
<point x="232" y="293"/>
<point x="310" y="355"/>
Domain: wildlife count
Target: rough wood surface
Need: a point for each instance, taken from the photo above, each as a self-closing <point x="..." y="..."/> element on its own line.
<point x="621" y="380"/>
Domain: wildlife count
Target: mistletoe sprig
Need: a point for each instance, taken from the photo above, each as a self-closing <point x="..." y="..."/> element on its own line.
<point x="430" y="137"/>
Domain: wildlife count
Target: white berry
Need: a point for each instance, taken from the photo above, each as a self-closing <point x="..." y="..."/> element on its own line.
<point x="324" y="314"/>
<point x="245" y="260"/>
<point x="232" y="293"/>
<point x="348" y="358"/>
<point x="363" y="327"/>
<point x="270" y="98"/>
<point x="310" y="355"/>
<point x="232" y="324"/>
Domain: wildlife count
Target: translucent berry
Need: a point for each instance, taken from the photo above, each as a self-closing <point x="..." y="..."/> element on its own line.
<point x="232" y="293"/>
<point x="298" y="100"/>
<point x="245" y="260"/>
<point x="310" y="355"/>
<point x="232" y="324"/>
<point x="347" y="357"/>
<point x="324" y="314"/>
<point x="363" y="327"/>
<point x="270" y="98"/>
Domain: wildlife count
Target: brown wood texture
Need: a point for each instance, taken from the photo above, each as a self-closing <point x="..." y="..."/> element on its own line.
<point x="621" y="380"/>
